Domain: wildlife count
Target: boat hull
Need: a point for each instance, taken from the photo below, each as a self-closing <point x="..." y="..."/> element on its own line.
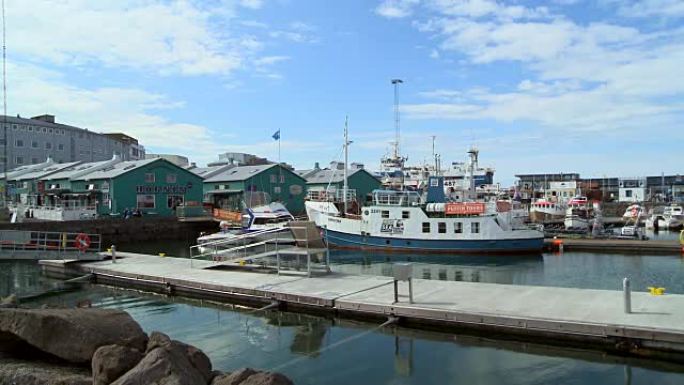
<point x="369" y="242"/>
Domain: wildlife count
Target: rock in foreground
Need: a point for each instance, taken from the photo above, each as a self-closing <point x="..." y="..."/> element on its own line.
<point x="72" y="334"/>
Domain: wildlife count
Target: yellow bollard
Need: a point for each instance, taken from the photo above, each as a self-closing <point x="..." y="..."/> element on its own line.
<point x="162" y="255"/>
<point x="652" y="290"/>
<point x="660" y="290"/>
<point x="242" y="262"/>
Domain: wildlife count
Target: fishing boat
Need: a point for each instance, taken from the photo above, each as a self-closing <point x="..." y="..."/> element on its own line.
<point x="545" y="210"/>
<point x="403" y="220"/>
<point x="578" y="218"/>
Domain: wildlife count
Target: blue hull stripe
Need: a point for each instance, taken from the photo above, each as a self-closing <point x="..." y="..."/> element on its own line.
<point x="344" y="240"/>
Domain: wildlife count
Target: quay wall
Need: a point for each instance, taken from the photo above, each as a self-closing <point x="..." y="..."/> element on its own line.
<point x="117" y="230"/>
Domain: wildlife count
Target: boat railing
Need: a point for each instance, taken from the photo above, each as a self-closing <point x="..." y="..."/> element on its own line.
<point x="331" y="195"/>
<point x="396" y="198"/>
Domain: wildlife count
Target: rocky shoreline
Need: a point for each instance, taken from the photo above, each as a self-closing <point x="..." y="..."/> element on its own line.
<point x="102" y="347"/>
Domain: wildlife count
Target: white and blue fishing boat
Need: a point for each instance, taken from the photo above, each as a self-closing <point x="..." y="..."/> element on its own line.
<point x="405" y="221"/>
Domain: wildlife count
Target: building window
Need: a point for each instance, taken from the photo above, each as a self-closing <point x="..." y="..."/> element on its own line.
<point x="60" y="147"/>
<point x="274" y="178"/>
<point x="405" y="215"/>
<point x="173" y="201"/>
<point x="145" y="201"/>
<point x="19" y="160"/>
<point x="34" y="144"/>
<point x="628" y="193"/>
<point x="441" y="227"/>
<point x="458" y="227"/>
<point x="14" y="127"/>
<point x="276" y="190"/>
<point x="384" y="213"/>
<point x="30" y="128"/>
<point x="19" y="143"/>
<point x="48" y="146"/>
<point x="282" y="178"/>
<point x="34" y="160"/>
<point x="2" y="142"/>
<point x="475" y="227"/>
<point x="426" y="227"/>
<point x="149" y="177"/>
<point x="171" y="178"/>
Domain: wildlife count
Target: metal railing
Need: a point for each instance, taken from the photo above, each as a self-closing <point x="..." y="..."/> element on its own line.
<point x="20" y="240"/>
<point x="249" y="247"/>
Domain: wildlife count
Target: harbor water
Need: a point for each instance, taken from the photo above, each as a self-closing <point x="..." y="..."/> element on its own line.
<point x="321" y="350"/>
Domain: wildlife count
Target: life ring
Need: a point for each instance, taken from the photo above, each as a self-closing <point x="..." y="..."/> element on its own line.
<point x="82" y="241"/>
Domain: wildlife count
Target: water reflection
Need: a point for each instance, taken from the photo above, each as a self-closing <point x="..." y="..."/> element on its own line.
<point x="317" y="350"/>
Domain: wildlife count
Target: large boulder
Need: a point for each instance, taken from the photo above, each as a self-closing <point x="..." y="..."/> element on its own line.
<point x="112" y="361"/>
<point x="169" y="362"/>
<point x="17" y="372"/>
<point x="267" y="378"/>
<point x="248" y="376"/>
<point x="72" y="334"/>
<point x="234" y="378"/>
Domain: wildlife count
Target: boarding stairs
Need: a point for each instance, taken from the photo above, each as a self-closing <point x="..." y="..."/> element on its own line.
<point x="297" y="247"/>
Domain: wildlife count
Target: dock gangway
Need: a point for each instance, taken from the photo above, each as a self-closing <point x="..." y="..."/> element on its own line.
<point x="295" y="247"/>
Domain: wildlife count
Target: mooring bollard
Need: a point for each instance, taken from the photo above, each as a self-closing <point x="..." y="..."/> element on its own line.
<point x="628" y="295"/>
<point x="113" y="254"/>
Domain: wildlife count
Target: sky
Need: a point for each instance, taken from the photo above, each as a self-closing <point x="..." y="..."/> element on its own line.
<point x="595" y="87"/>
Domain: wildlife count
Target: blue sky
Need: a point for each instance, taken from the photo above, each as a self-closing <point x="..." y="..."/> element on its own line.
<point x="568" y="85"/>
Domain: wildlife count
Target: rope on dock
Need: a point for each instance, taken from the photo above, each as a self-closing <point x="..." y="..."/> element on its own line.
<point x="390" y="320"/>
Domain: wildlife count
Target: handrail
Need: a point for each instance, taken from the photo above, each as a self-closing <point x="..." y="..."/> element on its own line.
<point x="28" y="240"/>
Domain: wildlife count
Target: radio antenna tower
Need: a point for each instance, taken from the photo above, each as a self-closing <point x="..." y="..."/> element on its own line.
<point x="397" y="133"/>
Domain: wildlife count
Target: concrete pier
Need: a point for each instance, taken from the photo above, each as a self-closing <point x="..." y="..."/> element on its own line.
<point x="578" y="317"/>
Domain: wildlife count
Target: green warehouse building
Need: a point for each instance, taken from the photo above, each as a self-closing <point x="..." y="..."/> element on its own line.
<point x="231" y="189"/>
<point x="154" y="186"/>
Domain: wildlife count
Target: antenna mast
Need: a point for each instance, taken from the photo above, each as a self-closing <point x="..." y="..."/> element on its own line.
<point x="4" y="107"/>
<point x="396" y="82"/>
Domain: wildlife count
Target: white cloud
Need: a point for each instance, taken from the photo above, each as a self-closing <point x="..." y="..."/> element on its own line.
<point x="484" y="8"/>
<point x="599" y="77"/>
<point x="186" y="37"/>
<point x="253" y="4"/>
<point x="650" y="8"/>
<point x="105" y="109"/>
<point x="396" y="8"/>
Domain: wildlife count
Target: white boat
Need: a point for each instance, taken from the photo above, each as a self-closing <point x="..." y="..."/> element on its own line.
<point x="401" y="220"/>
<point x="254" y="220"/>
<point x="632" y="212"/>
<point x="577" y="218"/>
<point x="672" y="217"/>
<point x="544" y="210"/>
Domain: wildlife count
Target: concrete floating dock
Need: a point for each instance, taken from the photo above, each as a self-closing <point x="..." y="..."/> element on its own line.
<point x="617" y="245"/>
<point x="575" y="317"/>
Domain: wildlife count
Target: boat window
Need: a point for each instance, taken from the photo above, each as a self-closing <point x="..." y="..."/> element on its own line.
<point x="405" y="215"/>
<point x="384" y="214"/>
<point x="475" y="227"/>
<point x="426" y="227"/>
<point x="458" y="227"/>
<point x="441" y="227"/>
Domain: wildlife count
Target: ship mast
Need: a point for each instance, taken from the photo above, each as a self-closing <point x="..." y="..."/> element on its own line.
<point x="345" y="188"/>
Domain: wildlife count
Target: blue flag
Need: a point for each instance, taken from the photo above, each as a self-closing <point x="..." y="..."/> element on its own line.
<point x="276" y="136"/>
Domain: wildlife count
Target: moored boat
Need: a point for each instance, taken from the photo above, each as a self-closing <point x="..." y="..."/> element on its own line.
<point x="403" y="220"/>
